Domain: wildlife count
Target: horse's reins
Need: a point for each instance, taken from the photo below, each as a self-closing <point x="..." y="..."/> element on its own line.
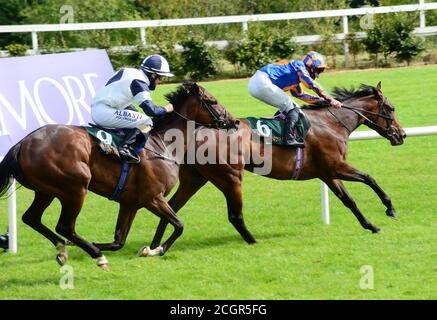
<point x="159" y="155"/>
<point x="359" y="112"/>
<point x="218" y="123"/>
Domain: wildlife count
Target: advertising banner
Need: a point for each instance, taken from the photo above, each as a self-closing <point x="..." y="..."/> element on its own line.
<point x="48" y="89"/>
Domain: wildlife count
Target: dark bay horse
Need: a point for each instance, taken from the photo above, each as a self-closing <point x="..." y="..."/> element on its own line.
<point x="64" y="162"/>
<point x="324" y="156"/>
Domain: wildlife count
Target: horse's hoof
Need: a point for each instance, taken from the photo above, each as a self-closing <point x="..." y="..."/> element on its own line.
<point x="62" y="258"/>
<point x="103" y="263"/>
<point x="62" y="255"/>
<point x="147" y="252"/>
<point x="143" y="252"/>
<point x="377" y="230"/>
<point x="392" y="214"/>
<point x="104" y="267"/>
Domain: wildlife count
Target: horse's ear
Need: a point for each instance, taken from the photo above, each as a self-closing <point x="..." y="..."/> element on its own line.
<point x="196" y="88"/>
<point x="377" y="91"/>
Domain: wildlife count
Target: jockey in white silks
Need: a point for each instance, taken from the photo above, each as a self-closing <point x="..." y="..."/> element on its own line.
<point x="115" y="105"/>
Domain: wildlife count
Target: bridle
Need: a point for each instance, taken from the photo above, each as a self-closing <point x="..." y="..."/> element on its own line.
<point x="218" y="121"/>
<point x="382" y="103"/>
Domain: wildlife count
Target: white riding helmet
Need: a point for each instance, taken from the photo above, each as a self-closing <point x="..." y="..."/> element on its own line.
<point x="156" y="64"/>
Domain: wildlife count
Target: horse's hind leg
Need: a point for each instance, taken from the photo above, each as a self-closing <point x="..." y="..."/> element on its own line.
<point x="341" y="192"/>
<point x="190" y="181"/>
<point x="32" y="217"/>
<point x="349" y="173"/>
<point x="234" y="201"/>
<point x="71" y="207"/>
<point x="125" y="218"/>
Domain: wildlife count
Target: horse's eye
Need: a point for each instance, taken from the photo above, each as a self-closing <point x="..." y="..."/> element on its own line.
<point x="390" y="108"/>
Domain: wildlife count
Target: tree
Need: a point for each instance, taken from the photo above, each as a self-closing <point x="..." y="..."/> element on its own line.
<point x="260" y="47"/>
<point x="355" y="46"/>
<point x="401" y="40"/>
<point x="200" y="62"/>
<point x="59" y="11"/>
<point x="10" y="14"/>
<point x="374" y="42"/>
<point x="393" y="35"/>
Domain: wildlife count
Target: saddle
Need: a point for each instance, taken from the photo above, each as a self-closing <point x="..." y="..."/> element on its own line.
<point x="110" y="140"/>
<point x="273" y="128"/>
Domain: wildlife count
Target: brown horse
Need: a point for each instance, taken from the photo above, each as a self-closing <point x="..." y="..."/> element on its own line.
<point x="324" y="156"/>
<point x="59" y="161"/>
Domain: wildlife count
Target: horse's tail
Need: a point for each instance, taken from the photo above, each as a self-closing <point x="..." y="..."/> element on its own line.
<point x="10" y="168"/>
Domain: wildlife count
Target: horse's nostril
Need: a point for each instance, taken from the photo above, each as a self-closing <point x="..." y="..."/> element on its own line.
<point x="404" y="135"/>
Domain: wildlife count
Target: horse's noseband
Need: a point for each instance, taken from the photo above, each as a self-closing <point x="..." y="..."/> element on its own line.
<point x="219" y="122"/>
<point x="381" y="106"/>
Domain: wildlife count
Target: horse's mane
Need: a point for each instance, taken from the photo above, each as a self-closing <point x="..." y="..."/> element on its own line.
<point x="180" y="94"/>
<point x="176" y="97"/>
<point x="343" y="94"/>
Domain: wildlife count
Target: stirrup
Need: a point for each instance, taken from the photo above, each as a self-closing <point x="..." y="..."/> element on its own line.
<point x="127" y="155"/>
<point x="294" y="143"/>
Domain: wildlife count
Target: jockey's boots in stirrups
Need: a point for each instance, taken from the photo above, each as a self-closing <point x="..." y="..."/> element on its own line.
<point x="126" y="152"/>
<point x="290" y="134"/>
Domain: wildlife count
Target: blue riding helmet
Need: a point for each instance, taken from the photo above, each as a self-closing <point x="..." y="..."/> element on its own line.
<point x="156" y="64"/>
<point x="314" y="59"/>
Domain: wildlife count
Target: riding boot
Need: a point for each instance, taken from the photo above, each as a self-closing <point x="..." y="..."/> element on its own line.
<point x="4" y="241"/>
<point x="126" y="152"/>
<point x="290" y="133"/>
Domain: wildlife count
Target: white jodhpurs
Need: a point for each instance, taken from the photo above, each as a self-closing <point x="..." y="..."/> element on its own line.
<point x="105" y="116"/>
<point x="262" y="88"/>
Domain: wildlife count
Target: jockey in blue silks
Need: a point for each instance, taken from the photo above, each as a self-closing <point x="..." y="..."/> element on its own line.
<point x="270" y="83"/>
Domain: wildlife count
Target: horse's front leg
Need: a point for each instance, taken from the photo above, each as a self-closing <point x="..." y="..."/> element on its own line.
<point x="160" y="207"/>
<point x="349" y="173"/>
<point x="341" y="192"/>
<point x="126" y="215"/>
<point x="228" y="179"/>
<point x="190" y="181"/>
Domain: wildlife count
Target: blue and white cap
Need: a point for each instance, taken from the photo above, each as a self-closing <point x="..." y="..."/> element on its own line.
<point x="156" y="64"/>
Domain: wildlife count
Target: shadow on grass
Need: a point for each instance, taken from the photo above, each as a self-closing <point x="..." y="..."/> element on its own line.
<point x="131" y="248"/>
<point x="189" y="244"/>
<point x="22" y="282"/>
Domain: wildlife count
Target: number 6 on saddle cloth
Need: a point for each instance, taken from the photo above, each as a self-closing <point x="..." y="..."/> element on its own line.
<point x="274" y="128"/>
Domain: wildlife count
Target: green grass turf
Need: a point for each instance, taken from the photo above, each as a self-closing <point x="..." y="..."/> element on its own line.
<point x="296" y="257"/>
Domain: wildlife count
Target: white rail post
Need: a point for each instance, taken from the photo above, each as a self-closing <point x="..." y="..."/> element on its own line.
<point x="245" y="27"/>
<point x="12" y="218"/>
<point x="325" y="202"/>
<point x="345" y="44"/>
<point x="35" y="42"/>
<point x="143" y="36"/>
<point x="422" y="14"/>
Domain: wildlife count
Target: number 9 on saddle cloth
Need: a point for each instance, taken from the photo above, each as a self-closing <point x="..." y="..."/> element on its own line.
<point x="123" y="143"/>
